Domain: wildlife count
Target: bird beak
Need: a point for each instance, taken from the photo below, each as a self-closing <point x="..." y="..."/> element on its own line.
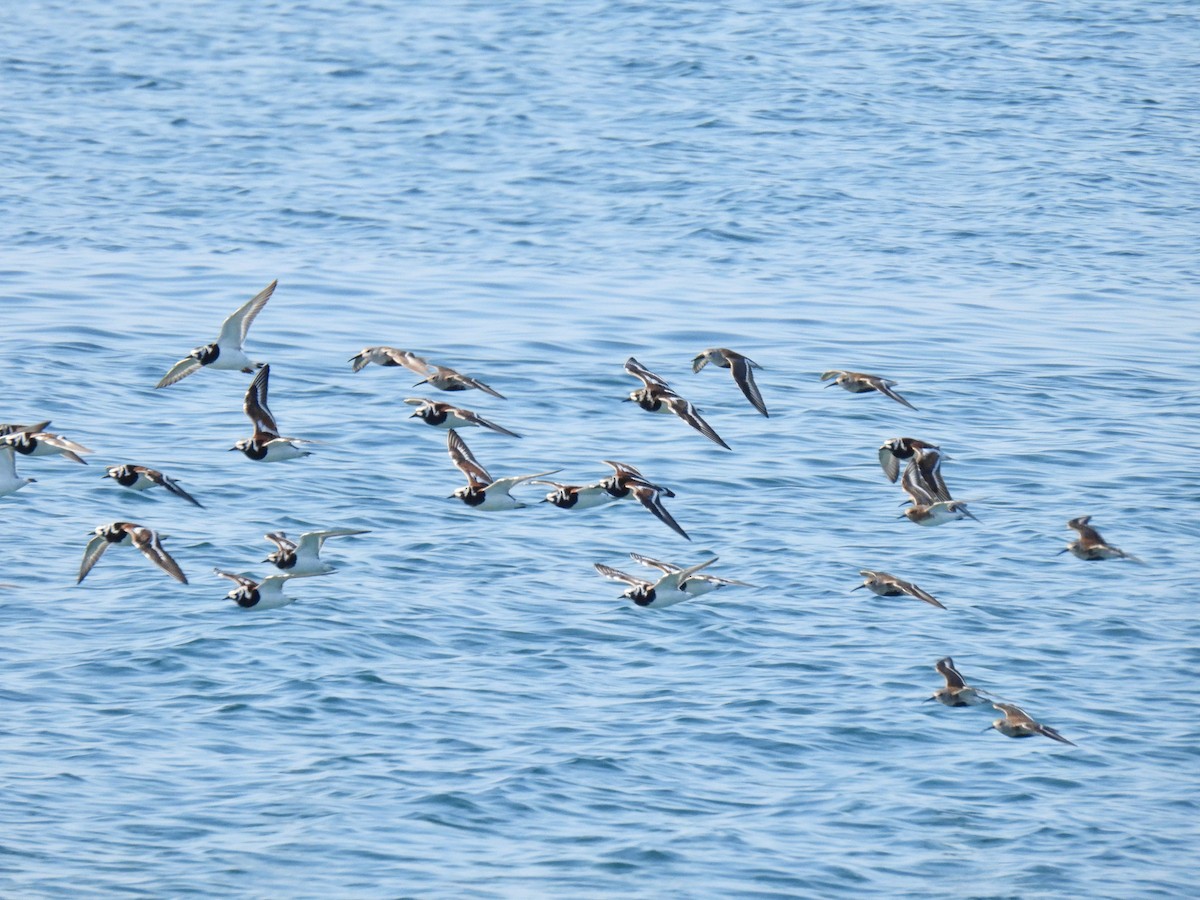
<point x="927" y="699"/>
<point x="857" y="588"/>
<point x="1062" y="551"/>
<point x="989" y="728"/>
<point x="831" y="384"/>
<point x="413" y="416"/>
<point x="626" y="399"/>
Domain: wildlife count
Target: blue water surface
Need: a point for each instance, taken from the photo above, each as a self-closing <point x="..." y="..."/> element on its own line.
<point x="995" y="205"/>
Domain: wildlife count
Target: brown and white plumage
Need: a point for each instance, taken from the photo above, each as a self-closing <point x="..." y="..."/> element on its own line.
<point x="861" y="383"/>
<point x="142" y="478"/>
<point x="302" y="557"/>
<point x="956" y="692"/>
<point x="260" y="594"/>
<point x="1019" y="724"/>
<point x="656" y="396"/>
<point x="932" y="504"/>
<point x="42" y="443"/>
<point x="693" y="585"/>
<point x="226" y="351"/>
<point x="666" y="591"/>
<point x="388" y="356"/>
<point x="127" y="533"/>
<point x="740" y="366"/>
<point x="884" y="585"/>
<point x="626" y="481"/>
<point x="482" y="491"/>
<point x="446" y="415"/>
<point x="446" y="379"/>
<point x="266" y="444"/>
<point x="1090" y="545"/>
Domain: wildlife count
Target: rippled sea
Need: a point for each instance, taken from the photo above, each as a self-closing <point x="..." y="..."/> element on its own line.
<point x="996" y="206"/>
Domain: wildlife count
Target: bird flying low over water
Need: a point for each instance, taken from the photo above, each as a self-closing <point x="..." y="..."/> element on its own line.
<point x="266" y="593"/>
<point x="861" y="383"/>
<point x="443" y="415"/>
<point x="956" y="692"/>
<point x="892" y="451"/>
<point x="693" y="585"/>
<point x="740" y="366"/>
<point x="266" y="444"/>
<point x="884" y="585"/>
<point x="302" y="557"/>
<point x="125" y="534"/>
<point x="656" y="396"/>
<point x="482" y="491"/>
<point x="626" y="481"/>
<point x="29" y="442"/>
<point x="226" y="351"/>
<point x="388" y="356"/>
<point x="1019" y="724"/>
<point x="666" y="591"/>
<point x="141" y="478"/>
<point x="10" y="481"/>
<point x="922" y="481"/>
<point x="1090" y="546"/>
<point x="441" y="377"/>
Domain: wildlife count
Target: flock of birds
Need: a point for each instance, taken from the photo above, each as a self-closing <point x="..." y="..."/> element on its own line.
<point x="915" y="463"/>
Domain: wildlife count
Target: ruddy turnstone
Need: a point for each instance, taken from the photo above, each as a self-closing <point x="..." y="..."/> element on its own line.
<point x="128" y="534"/>
<point x="655" y="395"/>
<point x="884" y="585"/>
<point x="956" y="692"/>
<point x="482" y="491"/>
<point x="10" y="428"/>
<point x="10" y="481"/>
<point x="740" y="366"/>
<point x="43" y="443"/>
<point x="266" y="593"/>
<point x="388" y="356"/>
<point x="666" y="591"/>
<point x="577" y="496"/>
<point x="226" y="352"/>
<point x="1090" y="546"/>
<point x="1019" y="724"/>
<point x="266" y="444"/>
<point x="301" y="557"/>
<point x="626" y="481"/>
<point x="693" y="585"/>
<point x="860" y="383"/>
<point x="141" y="478"/>
<point x="443" y="415"/>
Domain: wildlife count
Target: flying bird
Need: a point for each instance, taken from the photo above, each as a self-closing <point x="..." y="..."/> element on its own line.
<point x="266" y="593"/>
<point x="266" y="444"/>
<point x="860" y="383"/>
<point x="1019" y="724"/>
<point x="666" y="591"/>
<point x="656" y="396"/>
<point x="884" y="585"/>
<point x="741" y="367"/>
<point x="127" y="534"/>
<point x="443" y="415"/>
<point x="1090" y="545"/>
<point x="141" y="478"/>
<point x="226" y="352"/>
<point x="482" y="491"/>
<point x="956" y="692"/>
<point x="302" y="557"/>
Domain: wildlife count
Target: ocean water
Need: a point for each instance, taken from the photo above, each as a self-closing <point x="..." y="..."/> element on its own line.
<point x="994" y="206"/>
